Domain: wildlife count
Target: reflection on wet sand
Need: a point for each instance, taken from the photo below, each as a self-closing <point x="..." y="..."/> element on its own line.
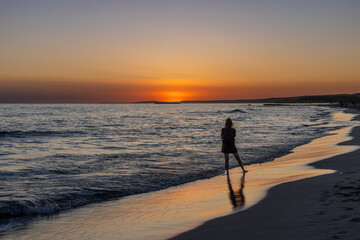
<point x="237" y="198"/>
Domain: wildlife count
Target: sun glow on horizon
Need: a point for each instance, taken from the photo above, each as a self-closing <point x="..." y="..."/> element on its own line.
<point x="174" y="96"/>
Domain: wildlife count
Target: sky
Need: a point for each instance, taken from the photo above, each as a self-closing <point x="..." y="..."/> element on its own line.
<point x="166" y="50"/>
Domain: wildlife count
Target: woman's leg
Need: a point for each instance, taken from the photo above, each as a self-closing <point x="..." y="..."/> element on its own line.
<point x="226" y="161"/>
<point x="236" y="155"/>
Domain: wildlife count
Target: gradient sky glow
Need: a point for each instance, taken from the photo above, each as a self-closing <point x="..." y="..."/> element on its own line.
<point x="124" y="51"/>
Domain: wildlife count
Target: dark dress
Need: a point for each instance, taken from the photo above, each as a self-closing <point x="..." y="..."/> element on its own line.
<point x="228" y="146"/>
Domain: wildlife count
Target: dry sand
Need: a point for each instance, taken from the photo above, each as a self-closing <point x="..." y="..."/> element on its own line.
<point x="322" y="207"/>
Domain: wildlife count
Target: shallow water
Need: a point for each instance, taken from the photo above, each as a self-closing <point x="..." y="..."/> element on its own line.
<point x="58" y="157"/>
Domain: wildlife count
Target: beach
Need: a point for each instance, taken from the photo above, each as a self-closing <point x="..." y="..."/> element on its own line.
<point x="141" y="120"/>
<point x="317" y="202"/>
<point x="322" y="207"/>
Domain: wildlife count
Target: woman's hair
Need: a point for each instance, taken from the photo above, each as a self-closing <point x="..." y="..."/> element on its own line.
<point x="228" y="123"/>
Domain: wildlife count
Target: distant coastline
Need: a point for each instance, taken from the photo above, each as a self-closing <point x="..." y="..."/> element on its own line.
<point x="347" y="100"/>
<point x="331" y="99"/>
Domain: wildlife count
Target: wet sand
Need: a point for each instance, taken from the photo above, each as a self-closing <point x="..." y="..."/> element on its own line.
<point x="288" y="209"/>
<point x="322" y="207"/>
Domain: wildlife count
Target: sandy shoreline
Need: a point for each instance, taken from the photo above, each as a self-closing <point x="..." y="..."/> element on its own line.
<point x="322" y="207"/>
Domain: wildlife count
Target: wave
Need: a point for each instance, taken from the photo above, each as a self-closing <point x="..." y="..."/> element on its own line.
<point x="74" y="196"/>
<point x="24" y="134"/>
<point x="315" y="124"/>
<point x="235" y="111"/>
<point x="13" y="208"/>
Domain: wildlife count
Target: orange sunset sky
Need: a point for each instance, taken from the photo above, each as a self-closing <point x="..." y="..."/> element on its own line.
<point x="126" y="51"/>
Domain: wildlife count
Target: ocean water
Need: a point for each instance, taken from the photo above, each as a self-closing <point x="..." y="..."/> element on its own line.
<point x="61" y="156"/>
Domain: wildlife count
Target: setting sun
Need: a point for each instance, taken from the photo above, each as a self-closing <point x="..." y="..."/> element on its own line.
<point x="174" y="96"/>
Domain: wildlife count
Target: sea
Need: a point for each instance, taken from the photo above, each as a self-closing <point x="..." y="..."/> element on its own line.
<point x="57" y="157"/>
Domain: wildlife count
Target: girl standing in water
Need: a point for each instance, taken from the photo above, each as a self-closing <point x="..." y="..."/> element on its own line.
<point x="228" y="134"/>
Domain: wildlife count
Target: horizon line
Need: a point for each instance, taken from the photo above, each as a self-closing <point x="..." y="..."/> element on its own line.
<point x="255" y="100"/>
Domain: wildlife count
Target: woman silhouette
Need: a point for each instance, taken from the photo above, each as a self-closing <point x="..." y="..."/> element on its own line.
<point x="228" y="134"/>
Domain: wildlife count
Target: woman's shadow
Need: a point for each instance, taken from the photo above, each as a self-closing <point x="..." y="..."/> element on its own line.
<point x="237" y="198"/>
